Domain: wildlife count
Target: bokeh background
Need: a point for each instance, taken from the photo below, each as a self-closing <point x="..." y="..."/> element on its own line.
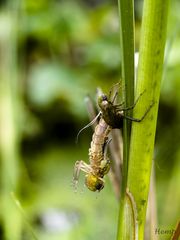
<point x="52" y="55"/>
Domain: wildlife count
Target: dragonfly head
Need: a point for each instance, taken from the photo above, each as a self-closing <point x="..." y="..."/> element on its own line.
<point x="94" y="183"/>
<point x="103" y="102"/>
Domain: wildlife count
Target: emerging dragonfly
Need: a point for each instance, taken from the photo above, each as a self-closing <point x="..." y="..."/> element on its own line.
<point x="99" y="163"/>
<point x="112" y="116"/>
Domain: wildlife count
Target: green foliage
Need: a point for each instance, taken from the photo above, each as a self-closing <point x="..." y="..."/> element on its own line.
<point x="62" y="51"/>
<point x="68" y="44"/>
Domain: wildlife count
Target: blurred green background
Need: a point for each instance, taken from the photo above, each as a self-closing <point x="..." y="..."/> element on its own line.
<point x="52" y="54"/>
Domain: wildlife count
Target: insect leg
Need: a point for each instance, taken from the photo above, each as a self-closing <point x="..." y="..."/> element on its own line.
<point x="132" y="106"/>
<point x="110" y="92"/>
<point x="105" y="146"/>
<point x="135" y="119"/>
<point x="105" y="163"/>
<point x="80" y="166"/>
<point x="114" y="98"/>
<point x="119" y="105"/>
<point x="138" y="119"/>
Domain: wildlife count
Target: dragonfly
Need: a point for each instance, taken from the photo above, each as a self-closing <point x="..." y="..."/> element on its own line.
<point x="111" y="116"/>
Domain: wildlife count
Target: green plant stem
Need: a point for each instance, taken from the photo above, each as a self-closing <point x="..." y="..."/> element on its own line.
<point x="152" y="45"/>
<point x="126" y="16"/>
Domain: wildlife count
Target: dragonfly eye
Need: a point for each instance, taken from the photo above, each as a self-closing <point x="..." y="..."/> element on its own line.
<point x="103" y="102"/>
<point x="94" y="183"/>
<point x="104" y="97"/>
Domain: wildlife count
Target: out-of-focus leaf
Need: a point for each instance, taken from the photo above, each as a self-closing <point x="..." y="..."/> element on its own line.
<point x="63" y="19"/>
<point x="104" y="53"/>
<point x="49" y="82"/>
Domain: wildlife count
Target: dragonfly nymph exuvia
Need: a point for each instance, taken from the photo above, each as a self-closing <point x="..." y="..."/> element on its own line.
<point x="111" y="116"/>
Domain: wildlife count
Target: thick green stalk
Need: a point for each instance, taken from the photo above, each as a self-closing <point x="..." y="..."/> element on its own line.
<point x="126" y="16"/>
<point x="153" y="37"/>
